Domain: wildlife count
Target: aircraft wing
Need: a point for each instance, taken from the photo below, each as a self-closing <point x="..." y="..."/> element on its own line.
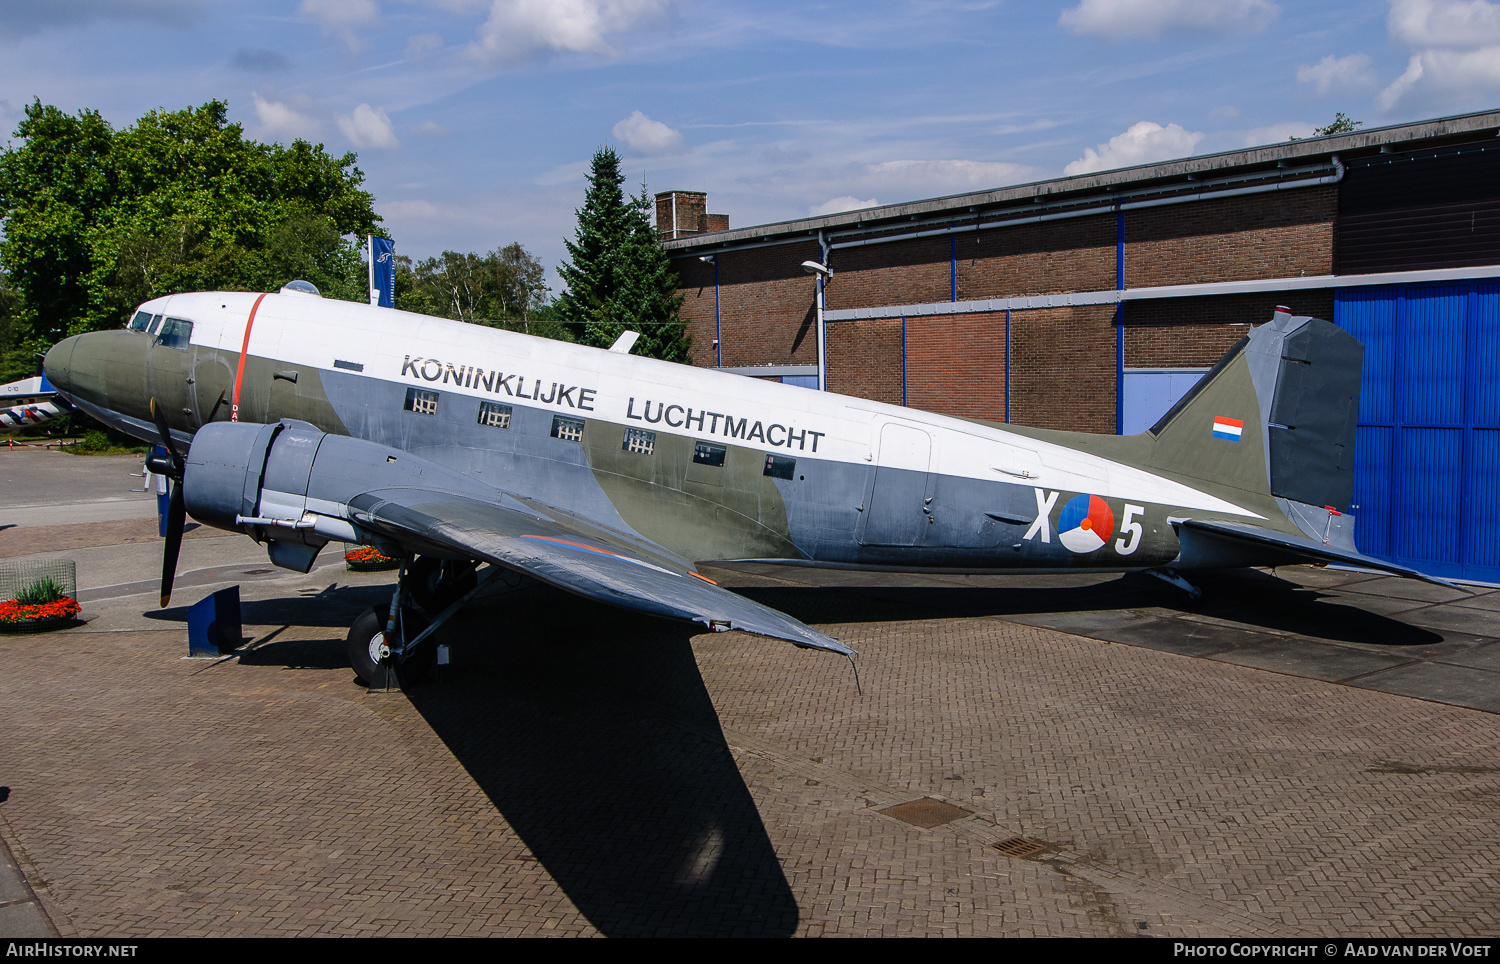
<point x="1296" y="548"/>
<point x="574" y="556"/>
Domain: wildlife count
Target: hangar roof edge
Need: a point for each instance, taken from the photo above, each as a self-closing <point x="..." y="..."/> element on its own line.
<point x="1307" y="149"/>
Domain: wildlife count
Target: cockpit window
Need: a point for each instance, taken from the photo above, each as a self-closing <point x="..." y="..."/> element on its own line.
<point x="140" y="321"/>
<point x="155" y="323"/>
<point x="175" y="333"/>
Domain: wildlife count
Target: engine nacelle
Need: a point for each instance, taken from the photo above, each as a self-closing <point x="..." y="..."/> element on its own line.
<point x="289" y="484"/>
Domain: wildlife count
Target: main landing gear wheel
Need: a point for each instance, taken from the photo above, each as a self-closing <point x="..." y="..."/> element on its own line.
<point x="370" y="653"/>
<point x="435" y="584"/>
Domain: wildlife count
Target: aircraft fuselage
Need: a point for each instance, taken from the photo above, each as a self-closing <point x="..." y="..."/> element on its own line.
<point x="706" y="464"/>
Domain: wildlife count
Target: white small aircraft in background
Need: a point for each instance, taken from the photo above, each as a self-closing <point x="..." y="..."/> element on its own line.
<point x="29" y="403"/>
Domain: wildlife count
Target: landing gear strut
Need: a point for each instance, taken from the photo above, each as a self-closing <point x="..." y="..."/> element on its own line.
<point x="397" y="644"/>
<point x="1173" y="578"/>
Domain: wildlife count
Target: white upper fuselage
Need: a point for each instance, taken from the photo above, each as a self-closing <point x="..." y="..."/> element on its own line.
<point x="568" y="379"/>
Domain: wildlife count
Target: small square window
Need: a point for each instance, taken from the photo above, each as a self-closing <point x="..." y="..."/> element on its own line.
<point x="141" y="320"/>
<point x="567" y="429"/>
<point x="780" y="466"/>
<point x="639" y="441"/>
<point x="707" y="453"/>
<point x="421" y="401"/>
<point x="494" y="415"/>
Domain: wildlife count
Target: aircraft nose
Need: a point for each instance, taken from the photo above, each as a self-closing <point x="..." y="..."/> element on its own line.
<point x="57" y="365"/>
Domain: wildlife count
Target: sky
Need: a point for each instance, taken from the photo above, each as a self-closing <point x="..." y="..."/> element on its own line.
<point x="474" y="120"/>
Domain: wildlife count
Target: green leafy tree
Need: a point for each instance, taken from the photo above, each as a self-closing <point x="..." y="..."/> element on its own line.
<point x="618" y="277"/>
<point x="98" y="220"/>
<point x="1341" y="125"/>
<point x="505" y="289"/>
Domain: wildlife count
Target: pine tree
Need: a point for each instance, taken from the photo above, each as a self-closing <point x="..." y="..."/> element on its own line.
<point x="618" y="277"/>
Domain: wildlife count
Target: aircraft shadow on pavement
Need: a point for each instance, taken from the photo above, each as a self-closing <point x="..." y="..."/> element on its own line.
<point x="594" y="735"/>
<point x="1250" y="597"/>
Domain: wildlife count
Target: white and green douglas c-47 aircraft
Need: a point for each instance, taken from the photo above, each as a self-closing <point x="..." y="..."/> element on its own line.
<point x="450" y="445"/>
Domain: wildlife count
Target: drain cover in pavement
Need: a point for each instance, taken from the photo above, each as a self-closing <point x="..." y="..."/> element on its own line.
<point x="925" y="813"/>
<point x="1020" y="847"/>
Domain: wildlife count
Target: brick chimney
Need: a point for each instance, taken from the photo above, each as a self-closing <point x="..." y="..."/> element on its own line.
<point x="683" y="213"/>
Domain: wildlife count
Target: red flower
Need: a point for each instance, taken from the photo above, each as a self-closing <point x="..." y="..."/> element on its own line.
<point x="13" y="613"/>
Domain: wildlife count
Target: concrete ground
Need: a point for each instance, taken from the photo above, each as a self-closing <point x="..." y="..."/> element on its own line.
<point x="1305" y="752"/>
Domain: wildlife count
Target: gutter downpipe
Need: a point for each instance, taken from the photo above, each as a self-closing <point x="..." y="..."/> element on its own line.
<point x="718" y="320"/>
<point x="822" y="332"/>
<point x="1119" y="323"/>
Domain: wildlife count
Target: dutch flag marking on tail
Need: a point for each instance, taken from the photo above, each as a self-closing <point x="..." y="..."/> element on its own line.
<point x="1228" y="429"/>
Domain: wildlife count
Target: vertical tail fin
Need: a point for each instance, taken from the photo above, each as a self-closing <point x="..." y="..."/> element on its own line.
<point x="1276" y="416"/>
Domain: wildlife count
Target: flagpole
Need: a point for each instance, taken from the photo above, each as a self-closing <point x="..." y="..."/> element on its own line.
<point x="370" y="257"/>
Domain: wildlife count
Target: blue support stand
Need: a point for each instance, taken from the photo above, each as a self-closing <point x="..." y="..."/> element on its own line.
<point x="214" y="624"/>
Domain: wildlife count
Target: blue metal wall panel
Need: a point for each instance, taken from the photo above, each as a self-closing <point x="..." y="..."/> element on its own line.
<point x="1428" y="515"/>
<point x="1484" y="343"/>
<point x="1370" y="316"/>
<point x="1482" y="513"/>
<point x="1372" y="489"/>
<point x="1427" y="457"/>
<point x="1430" y="358"/>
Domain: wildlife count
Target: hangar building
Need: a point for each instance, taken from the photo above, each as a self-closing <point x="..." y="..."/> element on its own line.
<point x="1092" y="302"/>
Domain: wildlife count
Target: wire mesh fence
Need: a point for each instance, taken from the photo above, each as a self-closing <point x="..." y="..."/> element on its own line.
<point x="40" y="581"/>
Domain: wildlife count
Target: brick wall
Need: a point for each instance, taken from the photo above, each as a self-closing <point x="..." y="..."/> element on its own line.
<point x="955" y="365"/>
<point x="1196" y="332"/>
<point x="1074" y="254"/>
<point x="864" y="359"/>
<point x="1064" y="375"/>
<point x="767" y="304"/>
<point x="1273" y="235"/>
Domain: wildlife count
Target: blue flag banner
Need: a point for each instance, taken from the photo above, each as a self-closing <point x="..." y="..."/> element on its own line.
<point x="382" y="272"/>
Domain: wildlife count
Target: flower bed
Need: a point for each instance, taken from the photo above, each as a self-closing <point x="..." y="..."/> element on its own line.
<point x="369" y="559"/>
<point x="18" y="616"/>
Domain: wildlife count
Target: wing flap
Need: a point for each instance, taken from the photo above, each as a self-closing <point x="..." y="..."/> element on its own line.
<point x="588" y="562"/>
<point x="1294" y="548"/>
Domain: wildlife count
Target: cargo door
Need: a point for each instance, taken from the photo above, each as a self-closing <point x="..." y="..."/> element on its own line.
<point x="898" y="504"/>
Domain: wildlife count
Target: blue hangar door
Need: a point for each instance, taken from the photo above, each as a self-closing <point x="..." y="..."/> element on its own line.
<point x="1427" y="456"/>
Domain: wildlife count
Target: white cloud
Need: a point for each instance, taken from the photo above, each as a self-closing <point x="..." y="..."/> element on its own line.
<point x="1339" y="74"/>
<point x="519" y="30"/>
<point x="432" y="129"/>
<point x="287" y="118"/>
<point x="646" y="136"/>
<point x="839" y="205"/>
<point x="1128" y="19"/>
<point x="1444" y="23"/>
<point x="342" y="17"/>
<point x="1142" y="143"/>
<point x="1456" y="46"/>
<point x="369" y="127"/>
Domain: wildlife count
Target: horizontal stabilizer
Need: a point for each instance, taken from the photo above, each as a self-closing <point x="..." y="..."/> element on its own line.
<point x="1200" y="539"/>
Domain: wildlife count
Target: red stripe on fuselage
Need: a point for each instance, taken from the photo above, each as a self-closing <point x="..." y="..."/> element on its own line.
<point x="239" y="375"/>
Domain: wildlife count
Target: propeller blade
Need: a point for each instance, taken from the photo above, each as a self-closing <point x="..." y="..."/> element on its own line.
<point x="223" y="397"/>
<point x="159" y="415"/>
<point x="176" y="520"/>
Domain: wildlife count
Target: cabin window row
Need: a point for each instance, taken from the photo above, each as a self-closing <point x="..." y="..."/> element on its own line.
<point x="637" y="441"/>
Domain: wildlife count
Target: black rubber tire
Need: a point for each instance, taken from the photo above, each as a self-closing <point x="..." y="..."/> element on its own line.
<point x="380" y="674"/>
<point x="372" y="672"/>
<point x="432" y="585"/>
